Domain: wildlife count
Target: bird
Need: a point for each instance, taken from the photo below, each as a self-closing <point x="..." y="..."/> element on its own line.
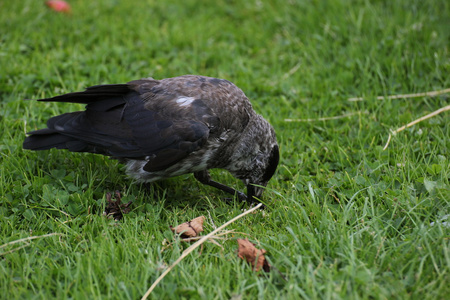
<point x="165" y="128"/>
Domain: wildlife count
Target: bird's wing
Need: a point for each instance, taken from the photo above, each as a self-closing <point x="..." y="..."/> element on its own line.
<point x="123" y="121"/>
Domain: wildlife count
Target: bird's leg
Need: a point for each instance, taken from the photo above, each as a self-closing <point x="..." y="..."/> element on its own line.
<point x="205" y="178"/>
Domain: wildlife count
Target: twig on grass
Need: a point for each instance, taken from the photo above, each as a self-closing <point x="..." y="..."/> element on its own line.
<point x="212" y="239"/>
<point x="26" y="241"/>
<point x="403" y="96"/>
<point x="328" y="118"/>
<point x="434" y="113"/>
<point x="194" y="246"/>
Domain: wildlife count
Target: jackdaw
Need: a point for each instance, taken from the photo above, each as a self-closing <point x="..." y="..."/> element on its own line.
<point x="169" y="127"/>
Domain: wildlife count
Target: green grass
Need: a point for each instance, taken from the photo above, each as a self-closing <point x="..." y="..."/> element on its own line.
<point x="345" y="219"/>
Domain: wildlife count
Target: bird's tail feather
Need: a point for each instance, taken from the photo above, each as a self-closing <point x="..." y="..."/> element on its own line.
<point x="45" y="139"/>
<point x="92" y="94"/>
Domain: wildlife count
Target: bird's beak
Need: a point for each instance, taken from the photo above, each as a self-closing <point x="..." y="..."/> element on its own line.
<point x="254" y="192"/>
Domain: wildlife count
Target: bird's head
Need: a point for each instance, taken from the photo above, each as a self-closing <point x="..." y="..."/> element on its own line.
<point x="265" y="168"/>
<point x="256" y="158"/>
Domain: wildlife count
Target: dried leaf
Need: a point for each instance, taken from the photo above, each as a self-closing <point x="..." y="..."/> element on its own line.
<point x="195" y="246"/>
<point x="115" y="208"/>
<point x="191" y="228"/>
<point x="251" y="254"/>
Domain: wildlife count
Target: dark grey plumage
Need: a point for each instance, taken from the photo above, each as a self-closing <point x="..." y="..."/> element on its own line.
<point x="164" y="128"/>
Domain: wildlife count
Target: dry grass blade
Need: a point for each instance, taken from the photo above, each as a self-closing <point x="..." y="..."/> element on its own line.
<point x="327" y="118"/>
<point x="212" y="239"/>
<point x="15" y="249"/>
<point x="218" y="236"/>
<point x="25" y="240"/>
<point x="291" y="71"/>
<point x="403" y="96"/>
<point x="430" y="115"/>
<point x="194" y="246"/>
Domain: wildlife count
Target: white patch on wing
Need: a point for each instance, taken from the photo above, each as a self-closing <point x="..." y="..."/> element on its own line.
<point x="185" y="101"/>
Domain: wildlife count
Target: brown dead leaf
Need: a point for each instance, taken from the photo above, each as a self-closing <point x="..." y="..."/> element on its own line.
<point x="115" y="208"/>
<point x="191" y="228"/>
<point x="255" y="257"/>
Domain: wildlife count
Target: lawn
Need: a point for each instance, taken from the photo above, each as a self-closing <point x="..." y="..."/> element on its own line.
<point x="344" y="219"/>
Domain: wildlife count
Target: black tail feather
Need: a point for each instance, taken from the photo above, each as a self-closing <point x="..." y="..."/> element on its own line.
<point x="45" y="139"/>
<point x="92" y="94"/>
